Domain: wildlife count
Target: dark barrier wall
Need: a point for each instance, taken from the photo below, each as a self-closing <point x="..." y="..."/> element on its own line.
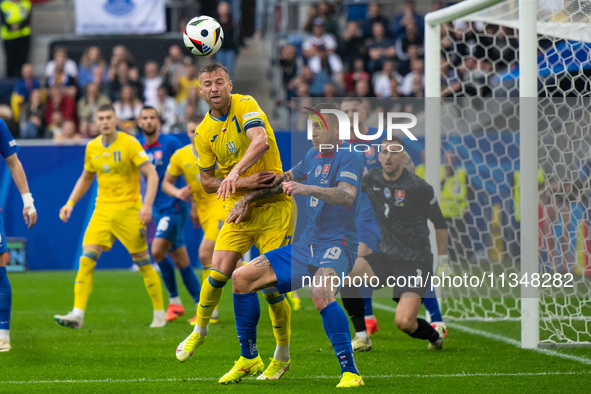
<point x="52" y="172"/>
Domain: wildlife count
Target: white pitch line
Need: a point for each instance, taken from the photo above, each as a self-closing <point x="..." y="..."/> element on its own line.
<point x="393" y="376"/>
<point x="499" y="338"/>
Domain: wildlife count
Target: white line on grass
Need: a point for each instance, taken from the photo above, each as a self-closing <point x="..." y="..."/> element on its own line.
<point x="150" y="380"/>
<point x="499" y="338"/>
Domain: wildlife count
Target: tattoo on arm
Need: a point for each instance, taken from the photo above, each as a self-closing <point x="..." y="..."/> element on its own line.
<point x="261" y="261"/>
<point x="276" y="189"/>
<point x="343" y="194"/>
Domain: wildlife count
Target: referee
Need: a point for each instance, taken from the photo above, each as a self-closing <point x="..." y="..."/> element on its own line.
<point x="402" y="202"/>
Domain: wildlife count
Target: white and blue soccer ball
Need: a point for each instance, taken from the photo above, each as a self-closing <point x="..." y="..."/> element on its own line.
<point x="203" y="36"/>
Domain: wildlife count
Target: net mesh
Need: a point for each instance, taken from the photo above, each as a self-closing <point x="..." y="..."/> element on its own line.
<point x="480" y="130"/>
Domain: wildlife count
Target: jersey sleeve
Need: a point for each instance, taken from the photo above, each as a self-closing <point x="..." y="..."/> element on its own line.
<point x="299" y="170"/>
<point x="174" y="167"/>
<point x="206" y="159"/>
<point x="88" y="167"/>
<point x="249" y="114"/>
<point x="350" y="169"/>
<point x="8" y="145"/>
<point x="137" y="153"/>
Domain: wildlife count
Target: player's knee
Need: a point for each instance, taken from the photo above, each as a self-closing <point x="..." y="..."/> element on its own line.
<point x="204" y="256"/>
<point x="159" y="254"/>
<point x="406" y="324"/>
<point x="240" y="282"/>
<point x="321" y="297"/>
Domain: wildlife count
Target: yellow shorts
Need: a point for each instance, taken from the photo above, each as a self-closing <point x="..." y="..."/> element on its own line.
<point x="267" y="226"/>
<point x="211" y="228"/>
<point x="117" y="220"/>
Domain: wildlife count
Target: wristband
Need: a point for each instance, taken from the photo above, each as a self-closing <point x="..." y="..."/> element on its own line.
<point x="70" y="203"/>
<point x="27" y="200"/>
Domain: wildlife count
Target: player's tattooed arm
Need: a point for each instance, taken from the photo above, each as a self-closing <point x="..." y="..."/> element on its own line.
<point x="209" y="181"/>
<point x="343" y="194"/>
<point x="240" y="209"/>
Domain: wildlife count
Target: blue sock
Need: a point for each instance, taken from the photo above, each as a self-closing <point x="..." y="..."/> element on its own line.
<point x="247" y="311"/>
<point x="191" y="282"/>
<point x="336" y="326"/>
<point x="5" y="299"/>
<point x="167" y="272"/>
<point x="430" y="302"/>
<point x="367" y="307"/>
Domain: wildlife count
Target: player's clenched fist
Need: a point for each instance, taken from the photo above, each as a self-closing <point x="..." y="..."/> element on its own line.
<point x="66" y="211"/>
<point x="295" y="188"/>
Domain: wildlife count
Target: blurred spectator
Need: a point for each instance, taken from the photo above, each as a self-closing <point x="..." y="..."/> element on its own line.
<point x="68" y="135"/>
<point x="90" y="130"/>
<point x="380" y="48"/>
<point x="291" y="64"/>
<point x="403" y="66"/>
<point x="166" y="106"/>
<point x="120" y="54"/>
<point x="89" y="103"/>
<point x="54" y="126"/>
<point x="192" y="104"/>
<point x="173" y="66"/>
<point x="188" y="80"/>
<point x="352" y="45"/>
<point x="15" y="32"/>
<point x="62" y="71"/>
<point x="408" y="14"/>
<point x="362" y="89"/>
<point x="450" y="83"/>
<point x="325" y="12"/>
<point x="321" y="46"/>
<point x="412" y="38"/>
<point x="60" y="102"/>
<point x="357" y="73"/>
<point x="7" y="116"/>
<point x="23" y="88"/>
<point x="374" y="16"/>
<point x="90" y="60"/>
<point x="314" y="82"/>
<point x="123" y="76"/>
<point x="33" y="116"/>
<point x="152" y="80"/>
<point x="127" y="108"/>
<point x="414" y="79"/>
<point x="381" y="80"/>
<point x="228" y="53"/>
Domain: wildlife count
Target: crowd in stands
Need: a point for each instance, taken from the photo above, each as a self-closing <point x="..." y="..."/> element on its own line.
<point x="382" y="55"/>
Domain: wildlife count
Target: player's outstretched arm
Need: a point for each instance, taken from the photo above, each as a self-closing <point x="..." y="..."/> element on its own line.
<point x="343" y="194"/>
<point x="240" y="209"/>
<point x="18" y="174"/>
<point x="169" y="188"/>
<point x="259" y="144"/>
<point x="211" y="183"/>
<point x="149" y="171"/>
<point x="82" y="185"/>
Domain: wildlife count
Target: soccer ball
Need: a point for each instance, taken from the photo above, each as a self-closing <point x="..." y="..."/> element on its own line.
<point x="203" y="36"/>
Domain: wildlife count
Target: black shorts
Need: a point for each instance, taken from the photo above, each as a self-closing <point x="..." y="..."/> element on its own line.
<point x="402" y="276"/>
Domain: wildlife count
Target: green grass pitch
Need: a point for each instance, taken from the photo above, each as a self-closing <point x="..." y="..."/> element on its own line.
<point x="116" y="351"/>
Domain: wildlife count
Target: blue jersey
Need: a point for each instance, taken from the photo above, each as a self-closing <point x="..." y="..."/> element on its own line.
<point x="370" y="161"/>
<point x="8" y="145"/>
<point x="159" y="154"/>
<point x="327" y="223"/>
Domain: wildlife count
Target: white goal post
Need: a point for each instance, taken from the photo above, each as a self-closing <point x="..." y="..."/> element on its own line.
<point x="558" y="21"/>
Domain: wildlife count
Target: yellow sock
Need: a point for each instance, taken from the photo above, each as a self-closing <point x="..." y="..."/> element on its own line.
<point x="84" y="279"/>
<point x="153" y="285"/>
<point x="205" y="274"/>
<point x="280" y="313"/>
<point x="211" y="293"/>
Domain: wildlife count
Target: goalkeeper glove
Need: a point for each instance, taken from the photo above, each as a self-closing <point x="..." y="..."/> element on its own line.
<point x="442" y="265"/>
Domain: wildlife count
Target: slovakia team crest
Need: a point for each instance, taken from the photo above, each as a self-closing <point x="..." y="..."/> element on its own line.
<point x="158" y="155"/>
<point x="399" y="197"/>
<point x="325" y="170"/>
<point x="318" y="170"/>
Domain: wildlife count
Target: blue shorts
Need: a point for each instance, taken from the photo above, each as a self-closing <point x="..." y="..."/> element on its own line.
<point x="369" y="233"/>
<point x="3" y="248"/>
<point x="170" y="226"/>
<point x="294" y="264"/>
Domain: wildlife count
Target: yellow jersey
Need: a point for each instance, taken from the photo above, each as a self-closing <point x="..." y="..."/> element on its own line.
<point x="116" y="167"/>
<point x="184" y="161"/>
<point x="224" y="140"/>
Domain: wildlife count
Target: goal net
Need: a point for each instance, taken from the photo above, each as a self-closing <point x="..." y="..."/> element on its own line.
<point x="479" y="70"/>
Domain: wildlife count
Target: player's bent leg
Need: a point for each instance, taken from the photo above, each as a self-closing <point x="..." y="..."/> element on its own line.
<point x="83" y="285"/>
<point x="407" y="321"/>
<point x="153" y="286"/>
<point x="336" y="327"/>
<point x="5" y="307"/>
